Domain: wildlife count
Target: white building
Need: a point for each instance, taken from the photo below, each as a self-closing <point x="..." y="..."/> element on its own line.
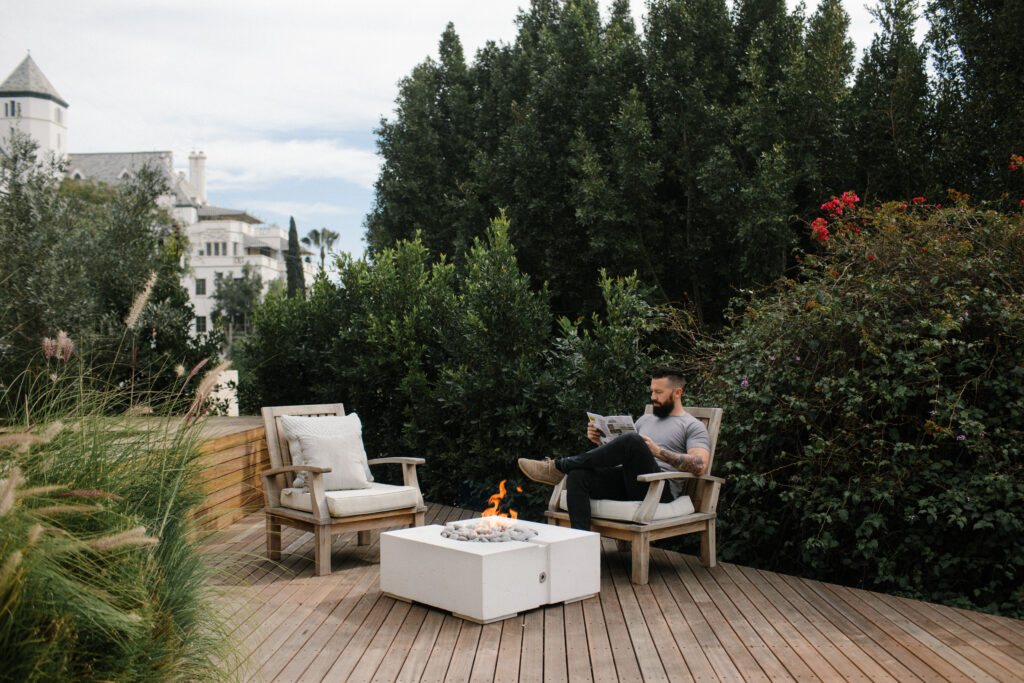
<point x="33" y="106"/>
<point x="222" y="240"/>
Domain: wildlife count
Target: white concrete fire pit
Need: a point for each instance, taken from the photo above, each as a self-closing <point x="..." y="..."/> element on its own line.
<point x="485" y="581"/>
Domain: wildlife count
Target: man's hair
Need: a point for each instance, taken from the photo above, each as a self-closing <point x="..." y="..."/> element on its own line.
<point x="673" y="375"/>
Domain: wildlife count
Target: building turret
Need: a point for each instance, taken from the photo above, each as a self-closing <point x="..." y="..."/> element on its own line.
<point x="33" y="106"/>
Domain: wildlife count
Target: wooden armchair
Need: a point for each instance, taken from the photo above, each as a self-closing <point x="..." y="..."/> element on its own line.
<point x="641" y="522"/>
<point x="329" y="513"/>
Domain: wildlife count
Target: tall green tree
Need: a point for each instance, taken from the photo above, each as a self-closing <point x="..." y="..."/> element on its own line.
<point x="692" y="80"/>
<point x="426" y="151"/>
<point x="817" y="102"/>
<point x="235" y="301"/>
<point x="293" y="264"/>
<point x="890" y="100"/>
<point x="979" y="78"/>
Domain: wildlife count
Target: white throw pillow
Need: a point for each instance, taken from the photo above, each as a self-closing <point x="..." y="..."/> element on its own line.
<point x="343" y="453"/>
<point x="295" y="426"/>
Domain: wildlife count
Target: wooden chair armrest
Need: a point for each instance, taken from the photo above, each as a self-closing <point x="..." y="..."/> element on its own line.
<point x="273" y="471"/>
<point x="677" y="475"/>
<point x="401" y="460"/>
<point x="705" y="497"/>
<point x="408" y="469"/>
<point x="655" y="476"/>
<point x="272" y="488"/>
<point x="556" y="494"/>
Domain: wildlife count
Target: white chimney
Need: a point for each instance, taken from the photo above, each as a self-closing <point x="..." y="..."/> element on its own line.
<point x="197" y="174"/>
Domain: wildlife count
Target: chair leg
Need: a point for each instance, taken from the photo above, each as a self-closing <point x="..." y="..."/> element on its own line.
<point x="420" y="519"/>
<point x="363" y="538"/>
<point x="641" y="558"/>
<point x="322" y="549"/>
<point x="273" y="538"/>
<point x="708" y="556"/>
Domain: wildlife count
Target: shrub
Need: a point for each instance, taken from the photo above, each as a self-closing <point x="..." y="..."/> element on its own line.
<point x="100" y="575"/>
<point x="465" y="367"/>
<point x="874" y="407"/>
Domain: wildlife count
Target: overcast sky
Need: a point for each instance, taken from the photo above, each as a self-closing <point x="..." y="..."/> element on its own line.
<point x="282" y="97"/>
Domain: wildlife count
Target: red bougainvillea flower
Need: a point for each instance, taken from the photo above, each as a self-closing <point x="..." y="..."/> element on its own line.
<point x="871" y="258"/>
<point x="918" y="200"/>
<point x="1016" y="162"/>
<point x="818" y="229"/>
<point x="904" y="206"/>
<point x="836" y="205"/>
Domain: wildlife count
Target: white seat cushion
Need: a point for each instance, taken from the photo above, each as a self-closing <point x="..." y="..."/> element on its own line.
<point x="624" y="510"/>
<point x="377" y="498"/>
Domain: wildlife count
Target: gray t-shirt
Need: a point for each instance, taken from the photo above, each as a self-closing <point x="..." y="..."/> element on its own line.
<point x="677" y="433"/>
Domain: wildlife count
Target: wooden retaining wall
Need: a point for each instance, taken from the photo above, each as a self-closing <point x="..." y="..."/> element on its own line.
<point x="234" y="454"/>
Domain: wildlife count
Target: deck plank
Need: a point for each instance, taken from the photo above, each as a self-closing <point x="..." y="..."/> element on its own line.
<point x="555" y="667"/>
<point x="785" y="660"/>
<point x="602" y="662"/>
<point x="510" y="650"/>
<point x="460" y="668"/>
<point x="823" y="660"/>
<point x="729" y="623"/>
<point x="422" y="644"/>
<point x="577" y="655"/>
<point x="444" y="645"/>
<point x="486" y="653"/>
<point x="531" y="666"/>
<point x="726" y="653"/>
<point x="969" y="643"/>
<point x="698" y="667"/>
<point x="623" y="655"/>
<point x="893" y="657"/>
<point x="765" y="657"/>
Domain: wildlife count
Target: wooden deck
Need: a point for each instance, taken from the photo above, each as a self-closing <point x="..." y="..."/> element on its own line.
<point x="731" y="623"/>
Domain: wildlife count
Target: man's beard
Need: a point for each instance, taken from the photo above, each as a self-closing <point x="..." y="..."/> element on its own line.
<point x="663" y="409"/>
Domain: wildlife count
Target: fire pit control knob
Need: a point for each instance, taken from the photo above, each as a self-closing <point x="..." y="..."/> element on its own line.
<point x="543" y="577"/>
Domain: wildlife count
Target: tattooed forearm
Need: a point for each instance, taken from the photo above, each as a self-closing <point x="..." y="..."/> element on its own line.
<point x="684" y="462"/>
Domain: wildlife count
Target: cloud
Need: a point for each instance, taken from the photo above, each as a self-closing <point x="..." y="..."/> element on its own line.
<point x="291" y="208"/>
<point x="251" y="163"/>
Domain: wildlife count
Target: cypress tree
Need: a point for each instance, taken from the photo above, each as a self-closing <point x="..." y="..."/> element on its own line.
<point x="293" y="264"/>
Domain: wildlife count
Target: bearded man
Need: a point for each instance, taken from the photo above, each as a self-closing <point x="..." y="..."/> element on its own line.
<point x="669" y="440"/>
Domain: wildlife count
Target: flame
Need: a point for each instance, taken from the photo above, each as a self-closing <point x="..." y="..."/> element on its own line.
<point x="495" y="503"/>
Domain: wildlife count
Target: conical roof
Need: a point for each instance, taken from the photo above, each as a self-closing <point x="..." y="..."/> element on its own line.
<point x="27" y="80"/>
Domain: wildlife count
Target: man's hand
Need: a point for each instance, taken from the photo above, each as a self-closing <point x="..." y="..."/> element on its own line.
<point x="655" y="448"/>
<point x="593" y="433"/>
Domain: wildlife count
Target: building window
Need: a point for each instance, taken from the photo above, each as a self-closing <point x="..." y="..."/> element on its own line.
<point x="209" y="251"/>
<point x="5" y="109"/>
<point x="200" y="324"/>
<point x="223" y="248"/>
<point x="234" y="248"/>
<point x="200" y="286"/>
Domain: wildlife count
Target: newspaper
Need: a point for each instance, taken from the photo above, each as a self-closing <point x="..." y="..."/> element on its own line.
<point x="613" y="426"/>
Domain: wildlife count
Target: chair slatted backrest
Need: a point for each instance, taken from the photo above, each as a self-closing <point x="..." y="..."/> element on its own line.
<point x="712" y="419"/>
<point x="277" y="443"/>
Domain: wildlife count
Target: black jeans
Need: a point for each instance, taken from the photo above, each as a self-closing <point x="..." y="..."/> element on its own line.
<point x="608" y="471"/>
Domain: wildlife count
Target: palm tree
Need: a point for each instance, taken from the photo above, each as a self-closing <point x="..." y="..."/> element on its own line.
<point x="322" y="239"/>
